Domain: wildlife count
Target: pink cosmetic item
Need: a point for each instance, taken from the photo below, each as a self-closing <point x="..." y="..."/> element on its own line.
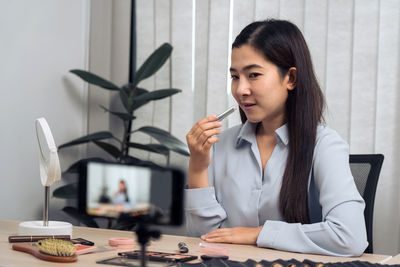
<point x="84" y="249"/>
<point x="122" y="243"/>
<point x="213" y="249"/>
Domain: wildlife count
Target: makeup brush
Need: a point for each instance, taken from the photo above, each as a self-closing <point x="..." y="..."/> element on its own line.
<point x="50" y="250"/>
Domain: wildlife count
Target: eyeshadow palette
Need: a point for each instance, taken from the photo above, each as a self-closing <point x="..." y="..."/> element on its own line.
<point x="122" y="261"/>
<point x="158" y="256"/>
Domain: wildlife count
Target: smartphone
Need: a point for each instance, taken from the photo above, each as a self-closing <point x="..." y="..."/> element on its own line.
<point x="141" y="194"/>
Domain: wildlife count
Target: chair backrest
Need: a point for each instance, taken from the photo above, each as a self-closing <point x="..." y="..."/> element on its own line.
<point x="366" y="169"/>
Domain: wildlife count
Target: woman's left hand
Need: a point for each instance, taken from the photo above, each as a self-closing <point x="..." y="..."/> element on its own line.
<point x="237" y="235"/>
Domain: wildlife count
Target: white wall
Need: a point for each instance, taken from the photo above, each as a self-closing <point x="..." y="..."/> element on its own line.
<point x="40" y="42"/>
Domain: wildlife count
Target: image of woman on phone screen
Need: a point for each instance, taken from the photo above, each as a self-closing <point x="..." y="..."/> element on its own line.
<point x="281" y="179"/>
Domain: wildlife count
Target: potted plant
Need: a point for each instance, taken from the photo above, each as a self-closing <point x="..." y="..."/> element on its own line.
<point x="132" y="98"/>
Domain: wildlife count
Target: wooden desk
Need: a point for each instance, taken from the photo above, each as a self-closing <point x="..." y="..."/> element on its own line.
<point x="394" y="260"/>
<point x="167" y="243"/>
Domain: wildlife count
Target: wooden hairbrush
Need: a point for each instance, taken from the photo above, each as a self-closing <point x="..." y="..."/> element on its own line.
<point x="50" y="250"/>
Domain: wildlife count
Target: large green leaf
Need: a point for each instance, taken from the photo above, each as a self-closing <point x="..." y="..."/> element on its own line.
<point x="166" y="139"/>
<point x="140" y="91"/>
<point x="109" y="148"/>
<point x="153" y="63"/>
<point x="122" y="116"/>
<point x="138" y="104"/>
<point x="156" y="148"/>
<point x="157" y="94"/>
<point x="145" y="98"/>
<point x="74" y="168"/>
<point x="68" y="191"/>
<point x="94" y="79"/>
<point x="81" y="217"/>
<point x="88" y="138"/>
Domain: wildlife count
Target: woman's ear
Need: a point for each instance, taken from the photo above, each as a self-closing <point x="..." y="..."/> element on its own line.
<point x="292" y="75"/>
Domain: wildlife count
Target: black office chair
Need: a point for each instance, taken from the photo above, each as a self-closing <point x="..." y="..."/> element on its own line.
<point x="365" y="169"/>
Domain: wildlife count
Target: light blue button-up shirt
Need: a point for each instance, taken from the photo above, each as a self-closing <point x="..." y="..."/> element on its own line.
<point x="241" y="196"/>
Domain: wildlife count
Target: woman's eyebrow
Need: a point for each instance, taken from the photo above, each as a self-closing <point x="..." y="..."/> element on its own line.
<point x="247" y="67"/>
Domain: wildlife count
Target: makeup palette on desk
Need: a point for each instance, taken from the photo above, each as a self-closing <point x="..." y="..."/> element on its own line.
<point x="158" y="256"/>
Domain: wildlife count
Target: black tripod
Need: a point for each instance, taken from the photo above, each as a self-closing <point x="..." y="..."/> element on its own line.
<point x="143" y="235"/>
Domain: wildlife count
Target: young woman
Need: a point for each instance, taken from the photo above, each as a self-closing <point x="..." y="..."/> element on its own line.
<point x="281" y="179"/>
<point x="121" y="196"/>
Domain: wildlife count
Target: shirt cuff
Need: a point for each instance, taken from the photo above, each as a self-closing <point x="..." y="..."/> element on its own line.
<point x="269" y="233"/>
<point x="199" y="198"/>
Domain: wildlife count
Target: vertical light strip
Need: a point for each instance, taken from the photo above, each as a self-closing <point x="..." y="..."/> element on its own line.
<point x="303" y="26"/>
<point x="85" y="33"/>
<point x="377" y="72"/>
<point x="254" y="10"/>
<point x="228" y="80"/>
<point x="170" y="77"/>
<point x="86" y="6"/>
<point x="193" y="41"/>
<point x="171" y="2"/>
<point x="153" y="113"/>
<point x="351" y="72"/>
<point x="206" y="89"/>
<point x="326" y="54"/>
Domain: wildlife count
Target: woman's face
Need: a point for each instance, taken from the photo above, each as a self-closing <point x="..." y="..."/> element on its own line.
<point x="122" y="186"/>
<point x="258" y="87"/>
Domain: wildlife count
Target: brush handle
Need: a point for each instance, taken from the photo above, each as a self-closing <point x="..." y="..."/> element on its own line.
<point x="34" y="238"/>
<point x="34" y="250"/>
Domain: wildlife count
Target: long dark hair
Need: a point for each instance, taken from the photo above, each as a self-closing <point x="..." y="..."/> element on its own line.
<point x="125" y="192"/>
<point x="282" y="43"/>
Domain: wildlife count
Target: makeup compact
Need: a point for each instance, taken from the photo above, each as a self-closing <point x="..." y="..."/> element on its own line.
<point x="84" y="249"/>
<point x="158" y="256"/>
<point x="82" y="241"/>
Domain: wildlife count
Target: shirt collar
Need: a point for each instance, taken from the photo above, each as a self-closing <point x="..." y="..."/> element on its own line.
<point x="248" y="133"/>
<point x="282" y="134"/>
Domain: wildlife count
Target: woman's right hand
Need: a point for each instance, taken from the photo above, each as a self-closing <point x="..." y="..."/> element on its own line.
<point x="200" y="139"/>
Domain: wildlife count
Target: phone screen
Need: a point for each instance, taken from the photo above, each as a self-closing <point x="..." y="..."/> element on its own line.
<point x="114" y="190"/>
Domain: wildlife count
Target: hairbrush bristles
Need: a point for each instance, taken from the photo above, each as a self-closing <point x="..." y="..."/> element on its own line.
<point x="56" y="247"/>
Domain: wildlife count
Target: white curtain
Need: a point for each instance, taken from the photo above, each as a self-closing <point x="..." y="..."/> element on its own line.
<point x="355" y="50"/>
